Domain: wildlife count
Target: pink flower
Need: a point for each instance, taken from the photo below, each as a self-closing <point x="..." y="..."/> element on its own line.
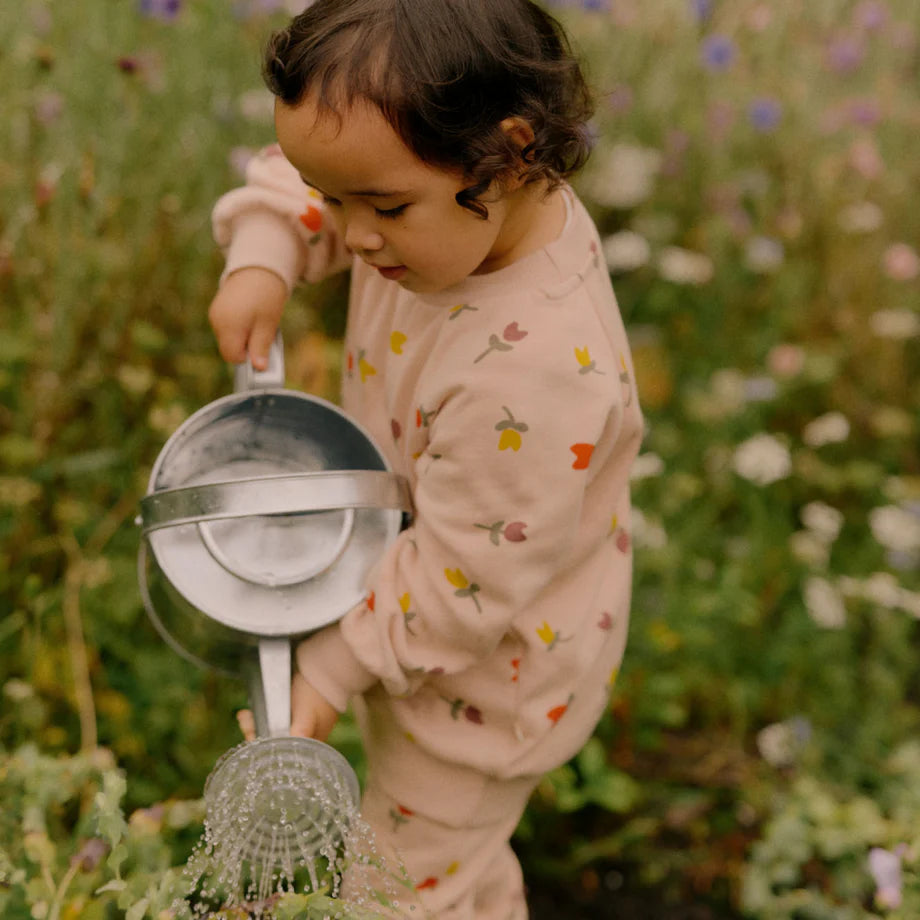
<point x="866" y="159"/>
<point x="786" y="360"/>
<point x="885" y="869"/>
<point x="901" y="262"/>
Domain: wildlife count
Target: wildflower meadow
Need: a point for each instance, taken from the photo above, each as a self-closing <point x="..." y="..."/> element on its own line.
<point x="755" y="180"/>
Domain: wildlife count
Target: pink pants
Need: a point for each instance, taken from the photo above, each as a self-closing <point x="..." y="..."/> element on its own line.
<point x="443" y="831"/>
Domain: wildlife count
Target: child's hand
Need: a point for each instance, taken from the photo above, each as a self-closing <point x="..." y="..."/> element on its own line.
<point x="245" y="315"/>
<point x="247" y="724"/>
<point x="311" y="715"/>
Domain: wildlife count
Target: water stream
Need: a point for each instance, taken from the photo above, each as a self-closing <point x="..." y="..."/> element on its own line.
<point x="281" y="820"/>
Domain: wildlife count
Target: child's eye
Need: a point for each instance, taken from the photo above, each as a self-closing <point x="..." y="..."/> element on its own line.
<point x="391" y="213"/>
<point x="332" y="202"/>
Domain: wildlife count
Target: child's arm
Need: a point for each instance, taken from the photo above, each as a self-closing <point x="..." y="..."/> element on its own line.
<point x="274" y="232"/>
<point x="311" y="714"/>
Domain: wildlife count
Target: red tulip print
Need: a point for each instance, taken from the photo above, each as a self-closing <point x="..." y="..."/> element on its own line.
<point x="312" y="218"/>
<point x="511" y="333"/>
<point x="460" y="707"/>
<point x="513" y="532"/>
<point x="582" y="455"/>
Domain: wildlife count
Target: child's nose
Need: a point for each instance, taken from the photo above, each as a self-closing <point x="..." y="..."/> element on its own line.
<point x="361" y="238"/>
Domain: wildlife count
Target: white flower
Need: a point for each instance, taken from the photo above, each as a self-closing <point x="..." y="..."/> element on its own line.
<point x="646" y="466"/>
<point x="822" y="520"/>
<point x="895" y="528"/>
<point x="895" y="324"/>
<point x="625" y="177"/>
<point x="17" y="690"/>
<point x="762" y="459"/>
<point x="682" y="266"/>
<point x="830" y="428"/>
<point x="824" y="603"/>
<point x="882" y="588"/>
<point x="781" y="743"/>
<point x="763" y="254"/>
<point x="862" y="217"/>
<point x="626" y="251"/>
<point x="647" y="532"/>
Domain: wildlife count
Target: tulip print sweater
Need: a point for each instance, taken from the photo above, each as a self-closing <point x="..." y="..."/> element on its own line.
<point x="495" y="623"/>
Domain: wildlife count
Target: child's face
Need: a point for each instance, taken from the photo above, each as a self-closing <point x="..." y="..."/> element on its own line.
<point x="396" y="212"/>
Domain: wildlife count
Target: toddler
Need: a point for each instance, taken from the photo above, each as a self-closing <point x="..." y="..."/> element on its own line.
<point x="425" y="145"/>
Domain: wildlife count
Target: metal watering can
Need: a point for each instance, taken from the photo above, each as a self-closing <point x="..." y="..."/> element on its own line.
<point x="265" y="511"/>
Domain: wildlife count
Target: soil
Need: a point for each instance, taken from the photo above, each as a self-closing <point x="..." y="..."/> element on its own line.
<point x="558" y="903"/>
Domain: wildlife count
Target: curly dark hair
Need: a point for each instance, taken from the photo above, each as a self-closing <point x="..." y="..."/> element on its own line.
<point x="445" y="74"/>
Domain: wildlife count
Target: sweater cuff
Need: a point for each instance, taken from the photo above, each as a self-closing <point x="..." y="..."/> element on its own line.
<point x="264" y="240"/>
<point x="328" y="664"/>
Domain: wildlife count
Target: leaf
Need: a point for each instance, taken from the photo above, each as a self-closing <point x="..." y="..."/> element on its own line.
<point x="116" y="884"/>
<point x="137" y="911"/>
<point x="614" y="791"/>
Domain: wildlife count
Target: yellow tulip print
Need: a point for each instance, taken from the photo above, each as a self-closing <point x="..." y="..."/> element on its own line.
<point x="455" y="311"/>
<point x="587" y="364"/>
<point x="365" y="368"/>
<point x="509" y="438"/>
<point x="397" y="340"/>
<point x="456" y="578"/>
<point x="463" y="586"/>
<point x="550" y="636"/>
<point x="405" y="605"/>
<point x="511" y="430"/>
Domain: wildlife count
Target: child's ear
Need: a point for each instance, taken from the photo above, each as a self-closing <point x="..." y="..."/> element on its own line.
<point x="521" y="134"/>
<point x="518" y="131"/>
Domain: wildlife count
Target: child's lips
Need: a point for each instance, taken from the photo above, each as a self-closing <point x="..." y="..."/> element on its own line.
<point x="391" y="272"/>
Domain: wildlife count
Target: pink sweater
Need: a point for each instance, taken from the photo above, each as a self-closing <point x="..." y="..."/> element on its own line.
<point x="495" y="623"/>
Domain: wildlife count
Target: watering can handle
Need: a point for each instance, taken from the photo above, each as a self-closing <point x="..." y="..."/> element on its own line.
<point x="296" y="493"/>
<point x="270" y="687"/>
<point x="246" y="377"/>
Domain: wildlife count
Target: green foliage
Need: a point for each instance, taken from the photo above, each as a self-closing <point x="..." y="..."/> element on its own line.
<point x="66" y="850"/>
<point x="756" y="212"/>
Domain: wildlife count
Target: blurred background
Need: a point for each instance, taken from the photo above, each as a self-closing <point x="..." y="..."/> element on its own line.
<point x="755" y="181"/>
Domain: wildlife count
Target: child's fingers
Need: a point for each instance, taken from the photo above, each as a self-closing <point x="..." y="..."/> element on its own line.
<point x="247" y="724"/>
<point x="260" y="341"/>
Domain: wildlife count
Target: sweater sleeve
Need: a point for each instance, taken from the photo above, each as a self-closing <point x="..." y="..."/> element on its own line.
<point x="277" y="222"/>
<point x="518" y="434"/>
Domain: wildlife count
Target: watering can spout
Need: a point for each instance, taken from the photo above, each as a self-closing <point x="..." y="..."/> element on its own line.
<point x="270" y="687"/>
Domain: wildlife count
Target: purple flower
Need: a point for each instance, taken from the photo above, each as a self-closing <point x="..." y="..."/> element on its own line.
<point x="765" y="114"/>
<point x="718" y="52"/>
<point x="845" y="54"/>
<point x="161" y="9"/>
<point x="701" y="9"/>
<point x="864" y="111"/>
<point x="871" y="14"/>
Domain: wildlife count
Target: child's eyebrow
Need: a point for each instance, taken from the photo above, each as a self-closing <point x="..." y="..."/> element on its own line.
<point x="362" y="193"/>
